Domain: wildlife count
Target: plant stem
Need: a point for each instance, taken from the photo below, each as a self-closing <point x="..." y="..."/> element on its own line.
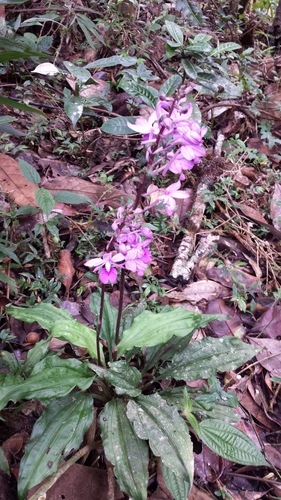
<point x="100" y="322"/>
<point x="120" y="308"/>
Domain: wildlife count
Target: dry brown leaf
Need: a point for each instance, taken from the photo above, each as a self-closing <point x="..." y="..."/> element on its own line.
<point x="275" y="207"/>
<point x="232" y="326"/>
<point x="270" y="356"/>
<point x="13" y="182"/>
<point x="100" y="195"/>
<point x="269" y="323"/>
<point x="200" y="290"/>
<point x="65" y="267"/>
<point x="252" y="213"/>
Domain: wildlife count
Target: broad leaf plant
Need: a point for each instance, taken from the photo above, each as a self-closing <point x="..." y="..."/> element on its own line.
<point x="115" y="392"/>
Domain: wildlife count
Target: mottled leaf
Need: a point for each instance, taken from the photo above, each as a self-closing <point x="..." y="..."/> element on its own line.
<point x="154" y="420"/>
<point x="205" y="357"/>
<point x="56" y="433"/>
<point x="125" y="450"/>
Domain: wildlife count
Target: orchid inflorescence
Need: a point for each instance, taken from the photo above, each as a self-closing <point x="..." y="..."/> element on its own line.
<point x="174" y="143"/>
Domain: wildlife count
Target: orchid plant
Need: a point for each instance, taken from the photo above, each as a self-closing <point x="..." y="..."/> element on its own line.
<point x="139" y="363"/>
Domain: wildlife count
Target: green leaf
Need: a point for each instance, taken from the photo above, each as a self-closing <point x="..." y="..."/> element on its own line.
<point x="165" y="352"/>
<point x="6" y="119"/>
<point x="168" y="434"/>
<point x="73" y="107"/>
<point x="38" y="352"/>
<point x="56" y="433"/>
<point x="12" y="2"/>
<point x="199" y="47"/>
<point x="189" y="69"/>
<point x="124" y="450"/>
<point x="51" y="377"/>
<point x="125" y="378"/>
<point x="175" y="31"/>
<point x="45" y="200"/>
<point x="81" y="74"/>
<point x="26" y="210"/>
<point x="208" y="80"/>
<point x="8" y="129"/>
<point x="77" y="334"/>
<point x="4" y="465"/>
<point x="29" y="172"/>
<point x="9" y="281"/>
<point x="7" y="251"/>
<point x="107" y="62"/>
<point x="71" y="198"/>
<point x="150" y="329"/>
<point x="89" y="29"/>
<point x="277" y="380"/>
<point x="118" y="126"/>
<point x="174" y="483"/>
<point x="19" y="105"/>
<point x="13" y="55"/>
<point x="44" y="314"/>
<point x="230" y="443"/>
<point x="148" y="94"/>
<point x="225" y="47"/>
<point x="109" y="317"/>
<point x="171" y="85"/>
<point x="205" y="357"/>
<point x="170" y="51"/>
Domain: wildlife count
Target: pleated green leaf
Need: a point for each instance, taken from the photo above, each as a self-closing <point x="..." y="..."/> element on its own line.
<point x="44" y="314"/>
<point x="205" y="357"/>
<point x="168" y="434"/>
<point x="150" y="329"/>
<point x="55" y="434"/>
<point x="123" y="448"/>
<point x="51" y="378"/>
<point x="124" y="377"/>
<point x="175" y="484"/>
<point x="230" y="443"/>
<point x="77" y="334"/>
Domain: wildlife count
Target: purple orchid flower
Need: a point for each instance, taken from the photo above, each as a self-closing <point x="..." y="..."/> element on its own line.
<point x="107" y="266"/>
<point x="166" y="196"/>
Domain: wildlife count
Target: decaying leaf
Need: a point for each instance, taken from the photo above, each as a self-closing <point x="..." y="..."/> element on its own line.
<point x="252" y="213"/>
<point x="232" y="326"/>
<point x="270" y="356"/>
<point x="100" y="195"/>
<point x="269" y="323"/>
<point x="13" y="182"/>
<point x="65" y="267"/>
<point x="200" y="290"/>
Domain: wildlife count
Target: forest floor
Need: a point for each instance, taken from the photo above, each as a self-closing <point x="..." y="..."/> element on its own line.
<point x="220" y="252"/>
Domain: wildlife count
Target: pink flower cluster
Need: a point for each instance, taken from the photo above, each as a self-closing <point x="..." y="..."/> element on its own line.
<point x="130" y="247"/>
<point x="174" y="143"/>
<point x="180" y="145"/>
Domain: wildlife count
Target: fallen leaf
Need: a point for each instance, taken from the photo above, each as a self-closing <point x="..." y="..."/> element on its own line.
<point x="14" y="183"/>
<point x="252" y="213"/>
<point x="269" y="323"/>
<point x="100" y="195"/>
<point x="80" y="481"/>
<point x="65" y="267"/>
<point x="200" y="290"/>
<point x="232" y="326"/>
<point x="270" y="356"/>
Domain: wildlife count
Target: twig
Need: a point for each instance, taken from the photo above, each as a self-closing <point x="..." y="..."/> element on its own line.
<point x="40" y="494"/>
